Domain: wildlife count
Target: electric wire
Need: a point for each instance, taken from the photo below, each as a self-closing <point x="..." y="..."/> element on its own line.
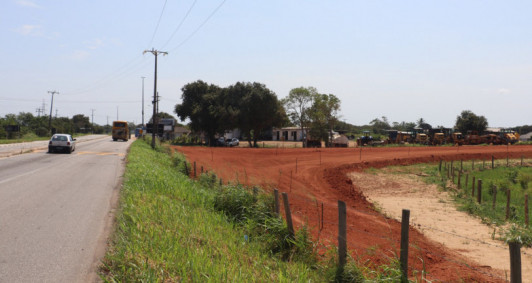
<point x="181" y="23"/>
<point x="199" y="27"/>
<point x="158" y="22"/>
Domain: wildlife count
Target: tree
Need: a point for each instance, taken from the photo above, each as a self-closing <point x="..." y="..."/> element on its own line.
<point x="163" y="115"/>
<point x="423" y="125"/>
<point x="380" y="125"/>
<point x="323" y="116"/>
<point x="469" y="121"/>
<point x="259" y="109"/>
<point x="297" y="105"/>
<point x="81" y="123"/>
<point x="201" y="104"/>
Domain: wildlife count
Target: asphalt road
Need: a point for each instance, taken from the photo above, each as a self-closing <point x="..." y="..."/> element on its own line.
<point x="56" y="211"/>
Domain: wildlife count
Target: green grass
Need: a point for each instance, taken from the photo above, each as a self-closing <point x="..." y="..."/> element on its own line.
<point x="31" y="137"/>
<point x="25" y="138"/>
<point x="172" y="229"/>
<point x="168" y="231"/>
<point x="514" y="179"/>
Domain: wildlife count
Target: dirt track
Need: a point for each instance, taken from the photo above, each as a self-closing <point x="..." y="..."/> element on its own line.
<point x="371" y="236"/>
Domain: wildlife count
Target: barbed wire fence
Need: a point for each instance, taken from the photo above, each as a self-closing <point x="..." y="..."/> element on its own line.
<point x="454" y="175"/>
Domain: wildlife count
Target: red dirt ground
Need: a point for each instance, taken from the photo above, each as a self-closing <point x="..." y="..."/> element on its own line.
<point x="311" y="177"/>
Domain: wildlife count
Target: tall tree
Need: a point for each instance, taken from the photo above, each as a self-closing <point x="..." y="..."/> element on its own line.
<point x="324" y="115"/>
<point x="297" y="105"/>
<point x="469" y="121"/>
<point x="201" y="104"/>
<point x="259" y="110"/>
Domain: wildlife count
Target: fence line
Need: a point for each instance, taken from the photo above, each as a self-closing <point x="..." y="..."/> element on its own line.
<point x="391" y="239"/>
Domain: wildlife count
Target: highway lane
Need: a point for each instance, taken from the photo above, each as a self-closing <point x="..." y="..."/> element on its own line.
<point x="56" y="211"/>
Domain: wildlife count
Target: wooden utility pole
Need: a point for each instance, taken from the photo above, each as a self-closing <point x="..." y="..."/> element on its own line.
<point x="51" y="107"/>
<point x="155" y="99"/>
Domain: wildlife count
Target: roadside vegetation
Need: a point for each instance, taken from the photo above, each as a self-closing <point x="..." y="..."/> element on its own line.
<point x="170" y="228"/>
<point x="507" y="177"/>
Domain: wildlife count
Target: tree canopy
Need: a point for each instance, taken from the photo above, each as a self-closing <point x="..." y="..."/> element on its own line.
<point x="469" y="121"/>
<point x="201" y="106"/>
<point x="250" y="107"/>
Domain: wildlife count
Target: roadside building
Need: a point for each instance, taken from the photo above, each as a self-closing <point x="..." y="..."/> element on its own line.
<point x="287" y="134"/>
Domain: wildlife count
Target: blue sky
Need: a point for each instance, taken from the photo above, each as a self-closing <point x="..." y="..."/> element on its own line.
<point x="401" y="59"/>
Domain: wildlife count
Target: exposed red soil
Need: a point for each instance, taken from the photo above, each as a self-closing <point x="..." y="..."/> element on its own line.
<point x="311" y="177"/>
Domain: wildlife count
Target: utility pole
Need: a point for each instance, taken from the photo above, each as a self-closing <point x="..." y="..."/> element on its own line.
<point x="142" y="100"/>
<point x="117" y="113"/>
<point x="155" y="99"/>
<point x="56" y="113"/>
<point x="51" y="108"/>
<point x="92" y="123"/>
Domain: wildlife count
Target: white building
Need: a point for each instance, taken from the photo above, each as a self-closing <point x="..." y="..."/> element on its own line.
<point x="287" y="134"/>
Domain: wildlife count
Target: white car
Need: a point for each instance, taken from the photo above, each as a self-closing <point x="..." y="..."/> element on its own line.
<point x="62" y="142"/>
<point x="232" y="142"/>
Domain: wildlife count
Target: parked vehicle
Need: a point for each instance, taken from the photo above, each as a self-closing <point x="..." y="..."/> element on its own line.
<point x="220" y="142"/>
<point x="232" y="142"/>
<point x="62" y="142"/>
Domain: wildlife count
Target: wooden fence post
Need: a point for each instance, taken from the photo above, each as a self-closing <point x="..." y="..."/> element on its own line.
<point x="526" y="211"/>
<point x="186" y="169"/>
<point x="479" y="191"/>
<point x="459" y="179"/>
<point x="288" y="215"/>
<point x="342" y="234"/>
<point x="492" y="162"/>
<point x="194" y="169"/>
<point x="473" y="187"/>
<point x="277" y="208"/>
<point x="405" y="225"/>
<point x="508" y="196"/>
<point x="439" y="168"/>
<point x="461" y="168"/>
<point x="515" y="262"/>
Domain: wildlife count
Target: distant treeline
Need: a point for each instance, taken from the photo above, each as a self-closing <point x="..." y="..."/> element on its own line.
<point x="28" y="124"/>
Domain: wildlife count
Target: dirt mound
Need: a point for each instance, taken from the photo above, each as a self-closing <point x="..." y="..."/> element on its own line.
<point x="316" y="178"/>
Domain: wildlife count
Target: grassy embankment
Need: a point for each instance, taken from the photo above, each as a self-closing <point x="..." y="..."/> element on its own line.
<point x="32" y="137"/>
<point x="504" y="178"/>
<point x="171" y="229"/>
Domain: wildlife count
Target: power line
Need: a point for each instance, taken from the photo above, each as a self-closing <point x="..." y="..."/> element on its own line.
<point x="120" y="73"/>
<point x="181" y="23"/>
<point x="199" y="27"/>
<point x="158" y="22"/>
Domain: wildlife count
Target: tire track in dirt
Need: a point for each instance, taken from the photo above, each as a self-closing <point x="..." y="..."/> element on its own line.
<point x="371" y="236"/>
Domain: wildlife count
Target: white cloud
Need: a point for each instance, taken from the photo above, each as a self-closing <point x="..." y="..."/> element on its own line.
<point x="27" y="3"/>
<point x="94" y="43"/>
<point x="79" y="55"/>
<point x="503" y="91"/>
<point x="32" y="30"/>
